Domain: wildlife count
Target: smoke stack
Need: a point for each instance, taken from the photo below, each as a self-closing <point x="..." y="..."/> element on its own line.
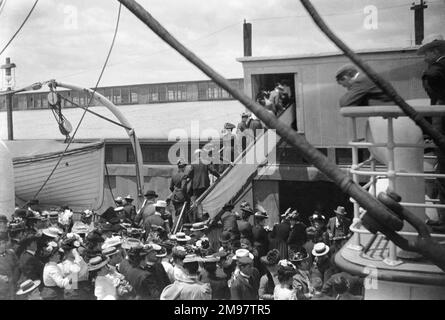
<point x="247" y="31"/>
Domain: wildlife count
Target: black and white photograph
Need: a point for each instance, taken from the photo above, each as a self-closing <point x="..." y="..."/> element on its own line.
<point x="238" y="151"/>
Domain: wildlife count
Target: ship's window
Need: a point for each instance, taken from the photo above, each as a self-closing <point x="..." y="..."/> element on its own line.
<point x="343" y="156"/>
<point x="109" y="154"/>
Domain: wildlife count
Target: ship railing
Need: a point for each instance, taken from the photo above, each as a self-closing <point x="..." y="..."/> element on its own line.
<point x="369" y="167"/>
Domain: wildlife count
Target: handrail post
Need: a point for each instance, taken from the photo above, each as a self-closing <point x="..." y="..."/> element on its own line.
<point x="392" y="256"/>
<point x="355" y="244"/>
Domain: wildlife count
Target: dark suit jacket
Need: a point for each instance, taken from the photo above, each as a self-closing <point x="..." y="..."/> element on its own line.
<point x="178" y="186"/>
<point x="280" y="232"/>
<point x="199" y="174"/>
<point x="30" y="267"/>
<point x="148" y="284"/>
<point x="242" y="289"/>
<point x="363" y="92"/>
<point x="342" y="230"/>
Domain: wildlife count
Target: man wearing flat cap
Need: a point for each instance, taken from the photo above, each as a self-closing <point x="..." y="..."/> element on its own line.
<point x="433" y="50"/>
<point x="361" y="91"/>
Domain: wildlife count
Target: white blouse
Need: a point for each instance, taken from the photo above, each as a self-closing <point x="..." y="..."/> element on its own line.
<point x="284" y="293"/>
<point x="53" y="276"/>
<point x="78" y="266"/>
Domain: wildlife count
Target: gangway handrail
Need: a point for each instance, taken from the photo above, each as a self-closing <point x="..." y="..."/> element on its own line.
<point x="235" y="162"/>
<point x="391" y="111"/>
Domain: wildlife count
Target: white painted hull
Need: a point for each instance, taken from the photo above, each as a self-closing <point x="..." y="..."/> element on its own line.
<point x="77" y="181"/>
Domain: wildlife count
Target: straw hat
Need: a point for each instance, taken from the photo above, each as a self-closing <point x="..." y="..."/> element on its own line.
<point x="320" y="249"/>
<point x="181" y="237"/>
<point x="110" y="251"/>
<point x="52" y="232"/>
<point x="97" y="263"/>
<point x="112" y="242"/>
<point x="27" y="286"/>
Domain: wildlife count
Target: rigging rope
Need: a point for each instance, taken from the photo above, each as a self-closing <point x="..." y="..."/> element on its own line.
<point x="89" y="102"/>
<point x="20" y="28"/>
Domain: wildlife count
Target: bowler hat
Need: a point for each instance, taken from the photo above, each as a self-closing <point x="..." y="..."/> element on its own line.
<point x="430" y="42"/>
<point x="129" y="197"/>
<point x="151" y="193"/>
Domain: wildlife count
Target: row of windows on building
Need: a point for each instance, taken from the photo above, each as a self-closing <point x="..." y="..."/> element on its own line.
<point x="158" y="154"/>
<point x="137" y="94"/>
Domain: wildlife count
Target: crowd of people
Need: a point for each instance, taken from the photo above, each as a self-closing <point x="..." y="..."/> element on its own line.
<point x="126" y="254"/>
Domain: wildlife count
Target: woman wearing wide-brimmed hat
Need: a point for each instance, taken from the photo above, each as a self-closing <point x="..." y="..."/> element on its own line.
<point x="302" y="279"/>
<point x="105" y="287"/>
<point x="53" y="278"/>
<point x="73" y="265"/>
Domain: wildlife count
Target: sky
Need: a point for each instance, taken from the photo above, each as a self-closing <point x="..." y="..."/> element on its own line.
<point x="69" y="40"/>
